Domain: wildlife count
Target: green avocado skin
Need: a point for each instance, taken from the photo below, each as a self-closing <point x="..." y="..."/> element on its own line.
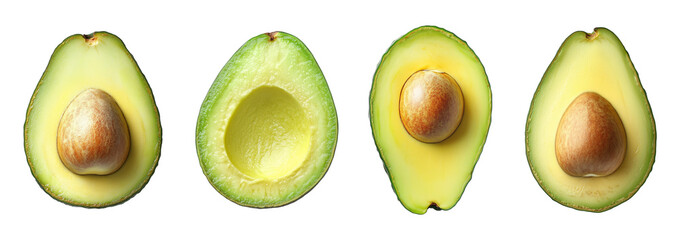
<point x="573" y="39"/>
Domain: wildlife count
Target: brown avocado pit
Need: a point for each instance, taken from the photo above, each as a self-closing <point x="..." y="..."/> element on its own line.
<point x="591" y="139"/>
<point x="93" y="136"/>
<point x="431" y="105"/>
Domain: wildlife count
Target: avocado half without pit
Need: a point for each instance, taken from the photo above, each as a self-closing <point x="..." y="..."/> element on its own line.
<point x="430" y="110"/>
<point x="92" y="133"/>
<point x="590" y="134"/>
<point x="267" y="129"/>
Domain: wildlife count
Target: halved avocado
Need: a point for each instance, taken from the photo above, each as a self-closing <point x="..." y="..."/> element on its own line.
<point x="587" y="64"/>
<point x="80" y="64"/>
<point x="267" y="129"/>
<point x="429" y="175"/>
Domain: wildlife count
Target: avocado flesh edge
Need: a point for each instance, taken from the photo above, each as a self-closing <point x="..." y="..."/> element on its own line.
<point x="268" y="61"/>
<point x="74" y="67"/>
<point x="420" y="179"/>
<point x="611" y="74"/>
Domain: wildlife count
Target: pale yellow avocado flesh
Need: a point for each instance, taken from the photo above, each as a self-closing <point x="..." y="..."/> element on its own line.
<point x="77" y="65"/>
<point x="427" y="175"/>
<point x="267" y="129"/>
<point x="268" y="135"/>
<point x="597" y="63"/>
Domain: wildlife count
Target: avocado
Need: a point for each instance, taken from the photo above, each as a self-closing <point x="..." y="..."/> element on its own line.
<point x="92" y="134"/>
<point x="267" y="129"/>
<point x="430" y="111"/>
<point x="590" y="133"/>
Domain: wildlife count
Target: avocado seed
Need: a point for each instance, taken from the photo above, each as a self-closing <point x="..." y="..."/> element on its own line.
<point x="93" y="136"/>
<point x="431" y="106"/>
<point x="591" y="139"/>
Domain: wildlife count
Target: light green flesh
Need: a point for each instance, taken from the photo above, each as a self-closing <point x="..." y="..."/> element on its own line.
<point x="600" y="65"/>
<point x="74" y="67"/>
<point x="267" y="130"/>
<point x="426" y="175"/>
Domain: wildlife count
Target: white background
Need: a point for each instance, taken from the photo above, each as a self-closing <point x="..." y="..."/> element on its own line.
<point x="181" y="47"/>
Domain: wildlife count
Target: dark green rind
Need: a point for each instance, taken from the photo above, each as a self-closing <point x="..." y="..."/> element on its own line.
<point x="79" y="37"/>
<point x="651" y="115"/>
<point x="370" y="113"/>
<point x="214" y="93"/>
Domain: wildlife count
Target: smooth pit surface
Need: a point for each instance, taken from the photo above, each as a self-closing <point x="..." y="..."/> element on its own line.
<point x="591" y="140"/>
<point x="93" y="136"/>
<point x="431" y="105"/>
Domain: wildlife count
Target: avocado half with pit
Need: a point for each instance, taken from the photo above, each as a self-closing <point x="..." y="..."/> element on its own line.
<point x="92" y="134"/>
<point x="590" y="134"/>
<point x="267" y="129"/>
<point x="430" y="110"/>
